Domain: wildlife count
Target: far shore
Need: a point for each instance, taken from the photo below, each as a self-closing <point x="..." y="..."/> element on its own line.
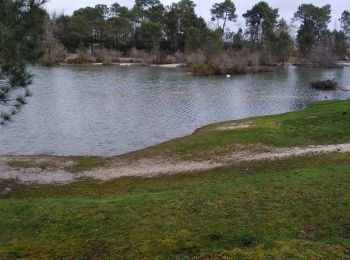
<point x="182" y="65"/>
<point x="345" y="64"/>
<point x="127" y="64"/>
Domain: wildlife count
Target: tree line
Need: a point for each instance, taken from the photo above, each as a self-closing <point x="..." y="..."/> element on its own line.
<point x="151" y="26"/>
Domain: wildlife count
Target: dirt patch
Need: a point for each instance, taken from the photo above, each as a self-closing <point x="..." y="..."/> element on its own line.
<point x="176" y="65"/>
<point x="234" y="126"/>
<point x="29" y="170"/>
<point x="147" y="168"/>
<point x="285" y="153"/>
<point x="5" y="192"/>
<point x="36" y="176"/>
<point x="44" y="163"/>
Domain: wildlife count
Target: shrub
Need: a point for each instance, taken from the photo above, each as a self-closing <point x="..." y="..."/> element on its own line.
<point x="138" y="54"/>
<point x="145" y="57"/>
<point x="204" y="69"/>
<point x="236" y="62"/>
<point x="267" y="58"/>
<point x="107" y="57"/>
<point x="322" y="56"/>
<point x="329" y="84"/>
<point x="195" y="58"/>
<point x="180" y="57"/>
<point x="54" y="57"/>
<point x="177" y="57"/>
<point x="82" y="57"/>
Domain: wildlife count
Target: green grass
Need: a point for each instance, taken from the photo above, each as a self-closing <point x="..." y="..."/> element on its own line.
<point x="292" y="208"/>
<point x="296" y="208"/>
<point x="82" y="164"/>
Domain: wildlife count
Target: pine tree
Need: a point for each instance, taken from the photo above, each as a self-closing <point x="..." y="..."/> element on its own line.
<point x="225" y="11"/>
<point x="21" y="29"/>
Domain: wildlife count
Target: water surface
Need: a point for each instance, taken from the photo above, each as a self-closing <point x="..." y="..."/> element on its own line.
<point x="113" y="110"/>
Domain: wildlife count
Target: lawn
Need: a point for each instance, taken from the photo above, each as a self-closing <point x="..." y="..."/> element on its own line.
<point x="298" y="207"/>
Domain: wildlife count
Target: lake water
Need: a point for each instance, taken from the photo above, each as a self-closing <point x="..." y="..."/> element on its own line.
<point x="113" y="110"/>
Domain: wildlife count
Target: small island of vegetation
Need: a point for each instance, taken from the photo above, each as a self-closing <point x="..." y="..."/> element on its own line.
<point x="329" y="84"/>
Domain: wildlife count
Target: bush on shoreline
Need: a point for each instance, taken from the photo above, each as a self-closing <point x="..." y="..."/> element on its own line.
<point x="204" y="69"/>
<point x="108" y="57"/>
<point x="53" y="57"/>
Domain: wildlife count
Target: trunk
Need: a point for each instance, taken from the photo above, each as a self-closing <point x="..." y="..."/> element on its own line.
<point x="224" y="25"/>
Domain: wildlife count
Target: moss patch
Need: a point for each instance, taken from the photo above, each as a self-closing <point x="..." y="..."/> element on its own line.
<point x="18" y="164"/>
<point x="82" y="164"/>
<point x="70" y="164"/>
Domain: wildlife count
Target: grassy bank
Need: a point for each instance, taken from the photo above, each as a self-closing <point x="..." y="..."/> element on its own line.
<point x="291" y="208"/>
<point x="321" y="123"/>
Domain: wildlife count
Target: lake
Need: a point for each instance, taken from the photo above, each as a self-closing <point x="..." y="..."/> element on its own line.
<point x="111" y="110"/>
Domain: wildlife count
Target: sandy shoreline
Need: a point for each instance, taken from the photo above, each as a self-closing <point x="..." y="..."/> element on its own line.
<point x="346" y="64"/>
<point x="149" y="167"/>
<point x="128" y="64"/>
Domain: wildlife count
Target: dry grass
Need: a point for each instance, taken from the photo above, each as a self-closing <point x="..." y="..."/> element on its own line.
<point x="229" y="62"/>
<point x="195" y="58"/>
<point x="322" y="56"/>
<point x="82" y="57"/>
<point x="54" y="57"/>
<point x="106" y="56"/>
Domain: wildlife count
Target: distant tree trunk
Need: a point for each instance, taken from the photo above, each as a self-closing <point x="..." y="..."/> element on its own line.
<point x="92" y="47"/>
<point x="224" y="25"/>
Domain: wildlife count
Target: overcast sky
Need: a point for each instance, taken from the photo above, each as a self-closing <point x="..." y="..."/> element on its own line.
<point x="286" y="7"/>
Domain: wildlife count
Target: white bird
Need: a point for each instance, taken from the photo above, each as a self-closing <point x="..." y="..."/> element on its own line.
<point x="228" y="76"/>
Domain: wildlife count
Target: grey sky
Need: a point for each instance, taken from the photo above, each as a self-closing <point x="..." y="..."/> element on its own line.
<point x="286" y="7"/>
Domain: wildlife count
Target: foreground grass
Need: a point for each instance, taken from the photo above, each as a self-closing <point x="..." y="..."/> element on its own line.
<point x="291" y="208"/>
<point x="298" y="207"/>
